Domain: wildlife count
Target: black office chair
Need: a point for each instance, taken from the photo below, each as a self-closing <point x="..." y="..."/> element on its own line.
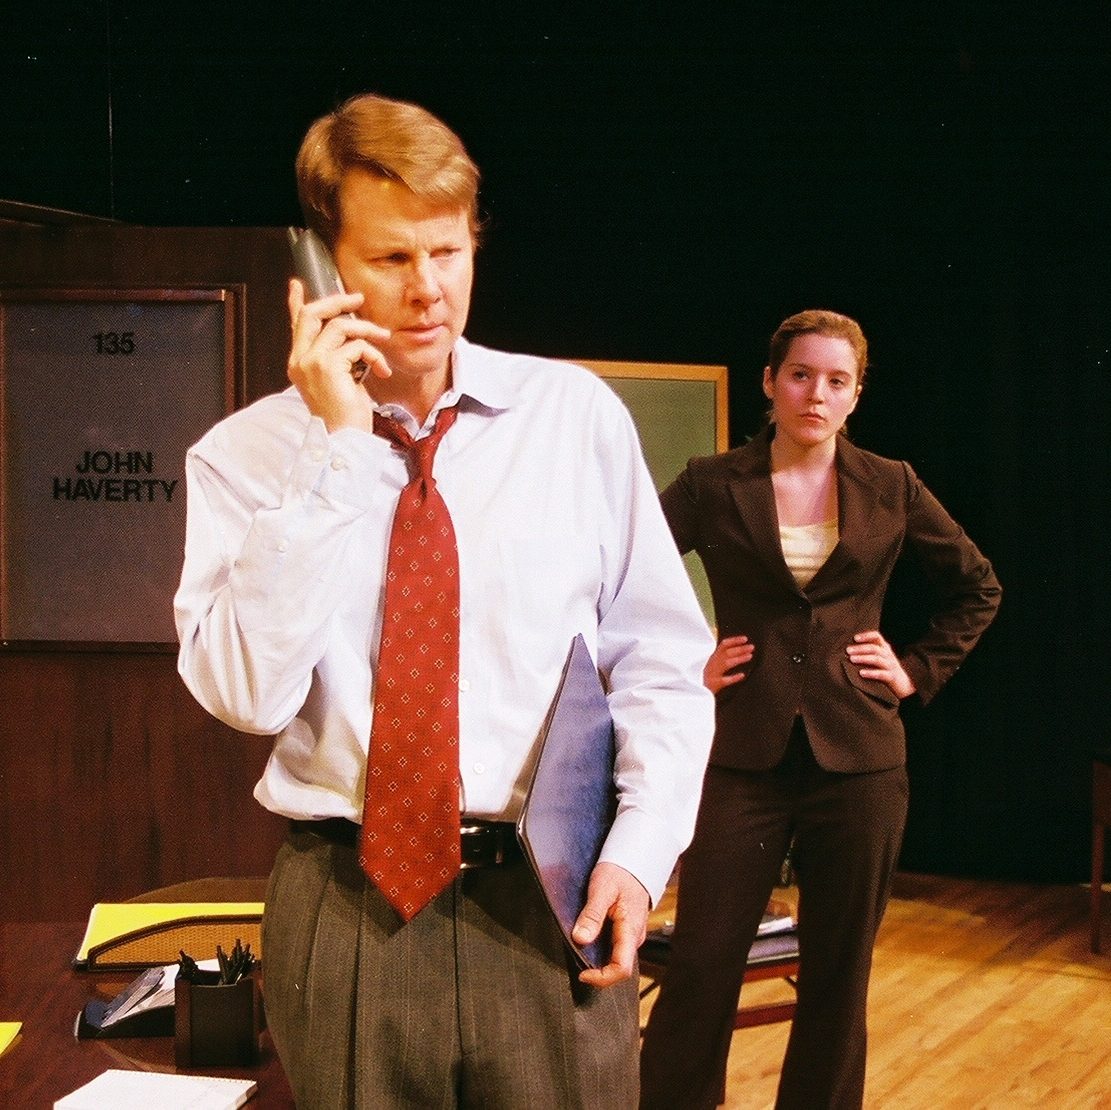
<point x="774" y="956"/>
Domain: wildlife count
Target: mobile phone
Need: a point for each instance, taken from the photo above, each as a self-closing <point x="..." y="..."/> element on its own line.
<point x="312" y="263"/>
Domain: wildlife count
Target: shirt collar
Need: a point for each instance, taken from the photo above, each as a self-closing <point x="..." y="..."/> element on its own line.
<point x="480" y="379"/>
<point x="474" y="381"/>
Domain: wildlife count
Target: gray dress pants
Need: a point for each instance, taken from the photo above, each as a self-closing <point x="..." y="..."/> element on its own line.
<point x="473" y="1003"/>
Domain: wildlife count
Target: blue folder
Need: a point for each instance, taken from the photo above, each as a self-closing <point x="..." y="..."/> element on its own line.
<point x="571" y="801"/>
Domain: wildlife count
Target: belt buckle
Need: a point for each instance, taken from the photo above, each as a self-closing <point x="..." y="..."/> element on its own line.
<point x="487" y="846"/>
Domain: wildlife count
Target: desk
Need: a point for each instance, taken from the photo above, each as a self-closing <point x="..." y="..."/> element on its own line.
<point x="39" y="988"/>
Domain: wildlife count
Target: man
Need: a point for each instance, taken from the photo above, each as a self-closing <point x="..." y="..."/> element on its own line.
<point x="463" y="993"/>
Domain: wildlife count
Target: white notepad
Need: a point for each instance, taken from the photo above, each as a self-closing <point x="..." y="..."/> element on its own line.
<point x="140" y="1090"/>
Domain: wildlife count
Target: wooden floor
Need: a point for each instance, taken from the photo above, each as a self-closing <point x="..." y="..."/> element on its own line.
<point x="985" y="996"/>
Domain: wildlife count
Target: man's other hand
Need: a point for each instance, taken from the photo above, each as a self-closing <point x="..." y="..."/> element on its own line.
<point x="613" y="894"/>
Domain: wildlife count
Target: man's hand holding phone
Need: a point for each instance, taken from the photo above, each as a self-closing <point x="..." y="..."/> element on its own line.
<point x="329" y="342"/>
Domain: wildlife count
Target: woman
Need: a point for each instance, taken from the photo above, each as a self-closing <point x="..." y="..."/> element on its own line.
<point x="799" y="531"/>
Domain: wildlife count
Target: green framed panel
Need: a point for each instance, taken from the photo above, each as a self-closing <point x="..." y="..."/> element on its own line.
<point x="680" y="411"/>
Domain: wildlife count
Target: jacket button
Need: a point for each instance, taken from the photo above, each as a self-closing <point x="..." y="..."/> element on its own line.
<point x="798" y="657"/>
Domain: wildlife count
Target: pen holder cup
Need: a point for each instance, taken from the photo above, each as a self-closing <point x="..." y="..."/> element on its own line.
<point x="217" y="1024"/>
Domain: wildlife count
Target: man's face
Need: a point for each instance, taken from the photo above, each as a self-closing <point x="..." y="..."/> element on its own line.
<point x="414" y="264"/>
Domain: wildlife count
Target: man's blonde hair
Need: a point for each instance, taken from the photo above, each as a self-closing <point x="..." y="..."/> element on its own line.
<point x="390" y="139"/>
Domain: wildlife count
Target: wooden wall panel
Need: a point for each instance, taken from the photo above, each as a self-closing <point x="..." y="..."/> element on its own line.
<point x="112" y="780"/>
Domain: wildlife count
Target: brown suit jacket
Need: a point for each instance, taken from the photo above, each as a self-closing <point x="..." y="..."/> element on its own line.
<point x="723" y="507"/>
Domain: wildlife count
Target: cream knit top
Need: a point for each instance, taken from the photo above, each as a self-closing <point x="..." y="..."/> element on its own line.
<point x="806" y="547"/>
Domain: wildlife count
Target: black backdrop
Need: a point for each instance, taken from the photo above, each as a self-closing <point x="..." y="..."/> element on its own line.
<point x="666" y="182"/>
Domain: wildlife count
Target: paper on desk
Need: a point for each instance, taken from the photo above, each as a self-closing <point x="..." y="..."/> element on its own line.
<point x="9" y="1030"/>
<point x="139" y="1090"/>
<point x="771" y="924"/>
<point x="776" y="922"/>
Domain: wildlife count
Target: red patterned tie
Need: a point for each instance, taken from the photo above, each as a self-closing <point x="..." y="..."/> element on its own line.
<point x="410" y="837"/>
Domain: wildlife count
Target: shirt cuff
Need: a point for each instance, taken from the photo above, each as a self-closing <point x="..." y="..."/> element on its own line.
<point x="645" y="848"/>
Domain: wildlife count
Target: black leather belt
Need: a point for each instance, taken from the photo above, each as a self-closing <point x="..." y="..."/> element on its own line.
<point x="481" y="843"/>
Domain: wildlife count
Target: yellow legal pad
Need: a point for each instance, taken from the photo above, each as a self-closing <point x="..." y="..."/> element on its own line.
<point x="145" y="934"/>
<point x="9" y="1030"/>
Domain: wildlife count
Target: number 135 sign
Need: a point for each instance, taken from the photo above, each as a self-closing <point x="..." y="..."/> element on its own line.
<point x="102" y="391"/>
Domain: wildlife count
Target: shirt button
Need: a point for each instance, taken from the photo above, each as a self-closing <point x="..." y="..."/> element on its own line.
<point x="283" y="546"/>
<point x="479" y="768"/>
<point x="798" y="657"/>
<point x="464" y="684"/>
<point x="339" y="463"/>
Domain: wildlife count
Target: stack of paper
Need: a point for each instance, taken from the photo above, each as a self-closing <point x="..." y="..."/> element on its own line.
<point x="140" y="1090"/>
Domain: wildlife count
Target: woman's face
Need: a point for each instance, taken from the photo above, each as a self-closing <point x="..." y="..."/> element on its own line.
<point x="814" y="389"/>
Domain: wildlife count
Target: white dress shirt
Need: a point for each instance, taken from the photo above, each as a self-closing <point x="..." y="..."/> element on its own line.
<point x="559" y="532"/>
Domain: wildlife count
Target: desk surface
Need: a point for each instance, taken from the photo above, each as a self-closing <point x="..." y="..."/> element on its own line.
<point x="39" y="988"/>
